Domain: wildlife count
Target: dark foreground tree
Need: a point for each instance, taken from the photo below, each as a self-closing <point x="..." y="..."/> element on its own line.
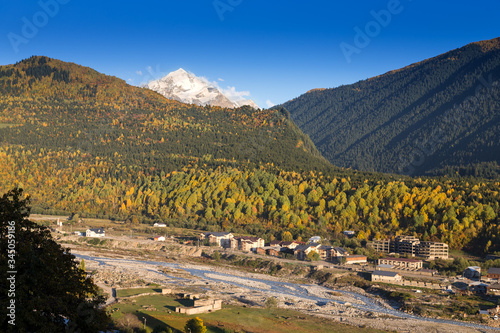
<point x="41" y="286"/>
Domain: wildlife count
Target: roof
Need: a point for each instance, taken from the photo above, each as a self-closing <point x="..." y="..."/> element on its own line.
<point x="277" y="248"/>
<point x="494" y="286"/>
<point x="314" y="239"/>
<point x="355" y="257"/>
<point x="300" y="248"/>
<point x="474" y="268"/>
<point x="98" y="230"/>
<point x="275" y="242"/>
<point x="217" y="234"/>
<point x="340" y="249"/>
<point x="288" y="243"/>
<point x="248" y="241"/>
<point x="494" y="270"/>
<point x="304" y="247"/>
<point x="385" y="273"/>
<point x="325" y="247"/>
<point x="249" y="238"/>
<point x="402" y="259"/>
<point x="460" y="285"/>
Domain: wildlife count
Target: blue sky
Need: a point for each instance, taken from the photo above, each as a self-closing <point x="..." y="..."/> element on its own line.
<point x="276" y="50"/>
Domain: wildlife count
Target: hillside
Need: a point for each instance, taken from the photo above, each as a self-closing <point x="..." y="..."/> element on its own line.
<point x="81" y="142"/>
<point x="56" y="105"/>
<point x="438" y="116"/>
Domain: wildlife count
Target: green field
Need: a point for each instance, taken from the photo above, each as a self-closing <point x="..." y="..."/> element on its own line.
<point x="160" y="310"/>
<point x="136" y="291"/>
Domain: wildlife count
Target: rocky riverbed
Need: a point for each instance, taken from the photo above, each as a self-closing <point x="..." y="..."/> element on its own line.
<point x="351" y="305"/>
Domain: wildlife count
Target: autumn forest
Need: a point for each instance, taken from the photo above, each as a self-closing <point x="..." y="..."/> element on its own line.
<point x="81" y="142"/>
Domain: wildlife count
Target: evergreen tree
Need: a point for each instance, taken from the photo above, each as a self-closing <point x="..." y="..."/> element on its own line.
<point x="52" y="294"/>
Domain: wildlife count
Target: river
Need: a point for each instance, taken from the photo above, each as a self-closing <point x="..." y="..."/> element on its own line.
<point x="284" y="289"/>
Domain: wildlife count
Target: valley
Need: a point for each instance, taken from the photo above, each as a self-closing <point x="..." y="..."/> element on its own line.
<point x="238" y="289"/>
<point x="103" y="157"/>
<point x="236" y="166"/>
<point x="124" y="260"/>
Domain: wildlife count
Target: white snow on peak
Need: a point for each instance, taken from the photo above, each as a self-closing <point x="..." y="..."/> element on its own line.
<point x="188" y="88"/>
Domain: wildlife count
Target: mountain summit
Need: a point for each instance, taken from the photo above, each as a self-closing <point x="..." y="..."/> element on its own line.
<point x="188" y="88"/>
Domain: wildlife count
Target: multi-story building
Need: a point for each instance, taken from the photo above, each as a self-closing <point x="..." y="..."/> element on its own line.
<point x="412" y="246"/>
<point x="220" y="238"/>
<point x="382" y="245"/>
<point x="402" y="263"/>
<point x="432" y="250"/>
<point x="246" y="243"/>
<point x="302" y="251"/>
<point x="325" y="252"/>
<point x="406" y="244"/>
<point x="338" y="252"/>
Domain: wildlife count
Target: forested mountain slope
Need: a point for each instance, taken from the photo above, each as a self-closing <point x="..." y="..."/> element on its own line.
<point x="438" y="116"/>
<point x="56" y="105"/>
<point x="81" y="142"/>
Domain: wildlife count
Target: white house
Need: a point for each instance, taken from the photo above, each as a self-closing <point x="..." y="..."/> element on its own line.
<point x="314" y="239"/>
<point x="385" y="276"/>
<point x="159" y="239"/>
<point x="98" y="232"/>
<point x="160" y="225"/>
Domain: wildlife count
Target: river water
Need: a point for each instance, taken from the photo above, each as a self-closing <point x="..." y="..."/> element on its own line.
<point x="282" y="289"/>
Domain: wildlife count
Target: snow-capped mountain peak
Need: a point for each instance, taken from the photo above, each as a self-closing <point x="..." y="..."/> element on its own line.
<point x="186" y="87"/>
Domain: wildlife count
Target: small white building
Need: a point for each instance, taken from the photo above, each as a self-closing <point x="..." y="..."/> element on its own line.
<point x="314" y="239"/>
<point x="160" y="225"/>
<point x="159" y="239"/>
<point x="349" y="233"/>
<point x="98" y="232"/>
<point x="385" y="276"/>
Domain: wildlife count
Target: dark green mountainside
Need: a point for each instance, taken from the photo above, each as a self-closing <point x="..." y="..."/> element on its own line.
<point x="438" y="116"/>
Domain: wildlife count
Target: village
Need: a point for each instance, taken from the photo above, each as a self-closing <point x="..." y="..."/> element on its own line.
<point x="390" y="269"/>
<point x="401" y="261"/>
